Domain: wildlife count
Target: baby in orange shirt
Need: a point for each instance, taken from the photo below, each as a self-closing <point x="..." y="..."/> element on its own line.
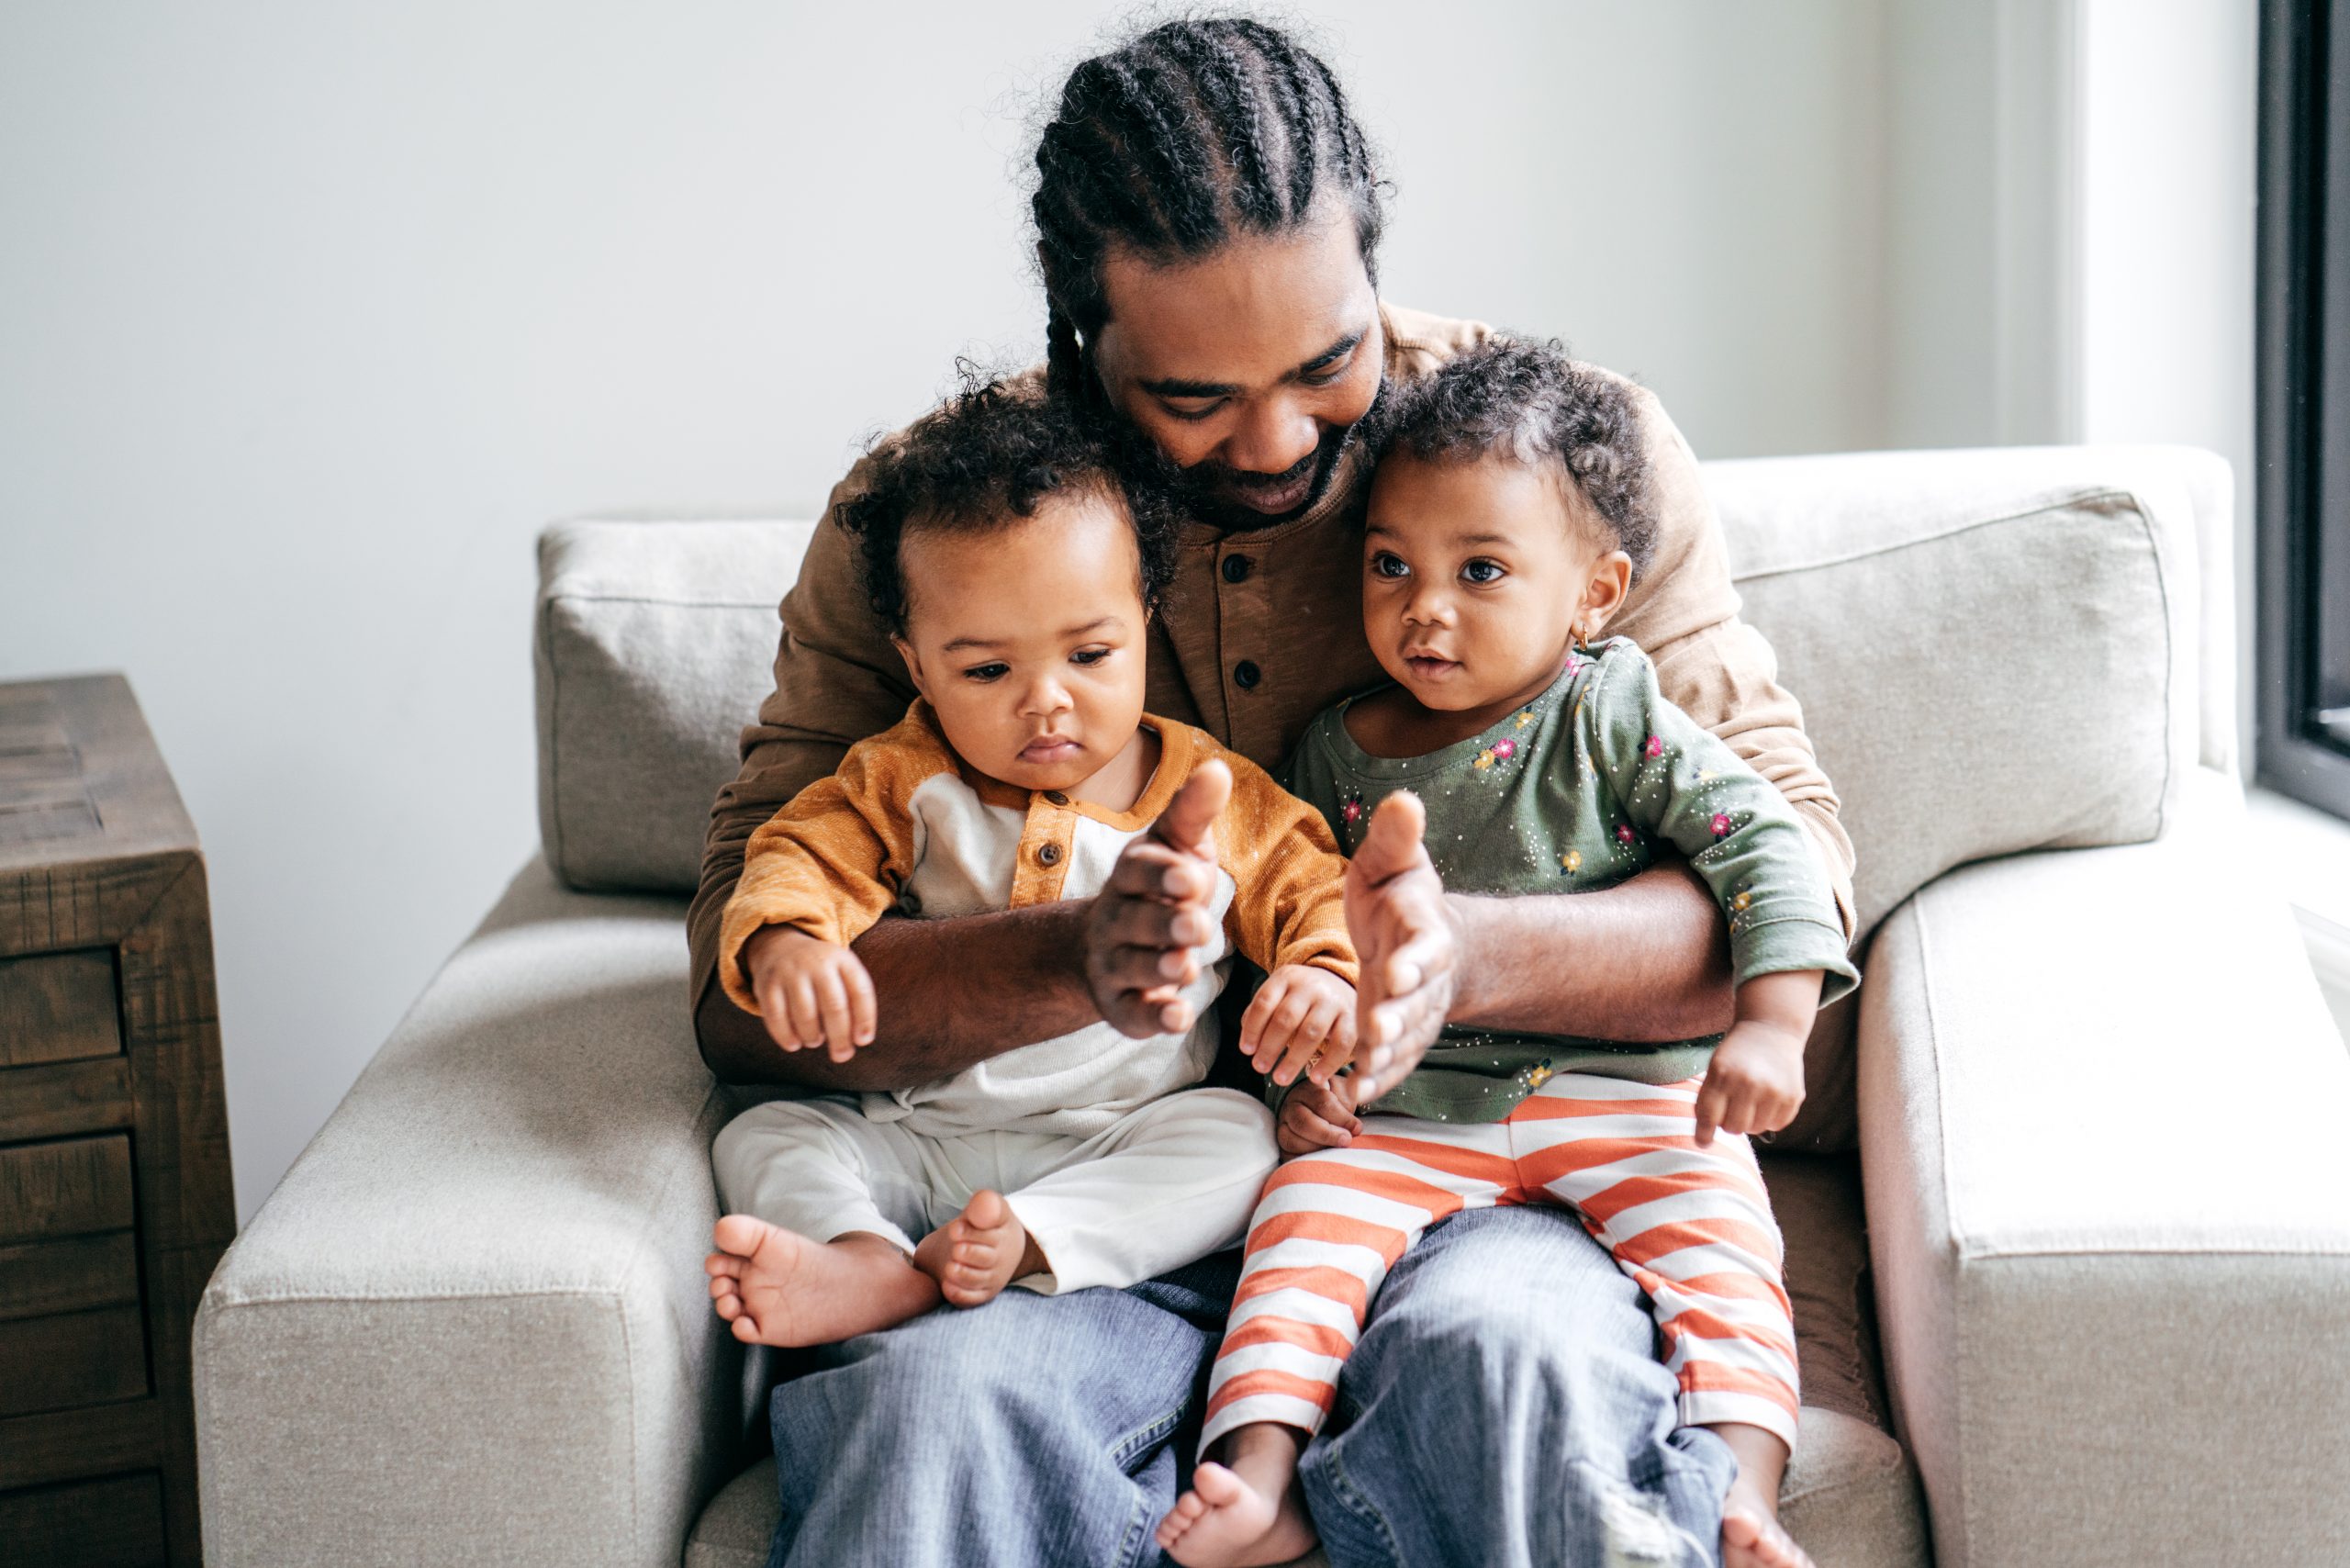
<point x="1018" y="578"/>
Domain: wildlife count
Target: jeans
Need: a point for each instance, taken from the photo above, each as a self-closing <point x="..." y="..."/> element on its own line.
<point x="1503" y="1406"/>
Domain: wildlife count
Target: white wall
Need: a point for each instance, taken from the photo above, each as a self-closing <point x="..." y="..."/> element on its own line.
<point x="310" y="316"/>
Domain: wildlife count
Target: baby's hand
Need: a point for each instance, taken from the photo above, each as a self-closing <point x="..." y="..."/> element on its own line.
<point x="1755" y="1084"/>
<point x="1318" y="1116"/>
<point x="1303" y="1019"/>
<point x="811" y="993"/>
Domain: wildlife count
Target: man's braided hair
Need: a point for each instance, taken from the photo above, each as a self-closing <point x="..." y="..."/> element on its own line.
<point x="983" y="459"/>
<point x="1192" y="133"/>
<point x="1524" y="400"/>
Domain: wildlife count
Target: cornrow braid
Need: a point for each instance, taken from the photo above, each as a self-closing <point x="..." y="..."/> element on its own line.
<point x="1174" y="143"/>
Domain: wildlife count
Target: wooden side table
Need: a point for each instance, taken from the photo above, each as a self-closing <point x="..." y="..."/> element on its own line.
<point x="115" y="1194"/>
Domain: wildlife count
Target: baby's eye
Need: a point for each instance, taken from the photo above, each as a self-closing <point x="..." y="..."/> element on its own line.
<point x="987" y="672"/>
<point x="1089" y="657"/>
<point x="1386" y="566"/>
<point x="1483" y="571"/>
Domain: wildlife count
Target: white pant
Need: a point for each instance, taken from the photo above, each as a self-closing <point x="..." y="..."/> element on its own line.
<point x="1162" y="1187"/>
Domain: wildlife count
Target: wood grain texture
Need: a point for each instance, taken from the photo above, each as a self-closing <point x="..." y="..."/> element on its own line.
<point x="71" y="1187"/>
<point x="104" y="1158"/>
<point x="118" y="1521"/>
<point x="58" y="1007"/>
<point x="76" y="1358"/>
<point x="41" y="1278"/>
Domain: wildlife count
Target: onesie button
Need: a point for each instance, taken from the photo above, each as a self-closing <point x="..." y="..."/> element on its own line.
<point x="1245" y="675"/>
<point x="1236" y="568"/>
<point x="1056" y="797"/>
<point x="1049" y="855"/>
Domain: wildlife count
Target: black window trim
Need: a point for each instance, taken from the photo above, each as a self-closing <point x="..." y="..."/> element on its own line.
<point x="2304" y="467"/>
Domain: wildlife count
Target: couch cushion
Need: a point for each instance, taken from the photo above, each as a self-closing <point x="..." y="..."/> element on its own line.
<point x="656" y="643"/>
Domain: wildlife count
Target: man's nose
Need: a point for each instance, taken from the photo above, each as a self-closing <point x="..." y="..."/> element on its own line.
<point x="1275" y="434"/>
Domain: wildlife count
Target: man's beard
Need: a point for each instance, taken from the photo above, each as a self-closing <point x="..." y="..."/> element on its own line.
<point x="1204" y="491"/>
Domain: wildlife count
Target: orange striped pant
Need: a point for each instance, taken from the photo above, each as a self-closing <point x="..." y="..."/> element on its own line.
<point x="1692" y="1226"/>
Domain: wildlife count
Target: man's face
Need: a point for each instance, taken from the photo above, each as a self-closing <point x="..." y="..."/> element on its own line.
<point x="1247" y="369"/>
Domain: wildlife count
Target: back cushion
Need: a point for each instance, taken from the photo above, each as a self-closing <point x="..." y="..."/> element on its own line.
<point x="655" y="644"/>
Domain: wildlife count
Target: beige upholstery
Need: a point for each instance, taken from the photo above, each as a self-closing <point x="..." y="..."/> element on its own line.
<point x="2105" y="1240"/>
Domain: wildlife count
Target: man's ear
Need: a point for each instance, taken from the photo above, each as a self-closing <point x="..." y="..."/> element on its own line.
<point x="1603" y="595"/>
<point x="913" y="663"/>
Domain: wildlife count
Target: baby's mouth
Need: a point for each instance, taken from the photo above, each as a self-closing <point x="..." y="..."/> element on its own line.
<point x="1430" y="666"/>
<point x="1049" y="749"/>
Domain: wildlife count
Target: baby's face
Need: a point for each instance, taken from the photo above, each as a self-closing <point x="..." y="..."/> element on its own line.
<point x="1474" y="574"/>
<point x="1028" y="639"/>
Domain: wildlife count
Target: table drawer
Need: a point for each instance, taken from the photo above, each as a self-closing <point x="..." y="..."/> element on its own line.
<point x="118" y="1521"/>
<point x="75" y="1186"/>
<point x="72" y="1332"/>
<point x="59" y="1007"/>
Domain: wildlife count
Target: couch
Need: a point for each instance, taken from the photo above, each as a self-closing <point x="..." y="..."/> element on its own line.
<point x="2068" y="1209"/>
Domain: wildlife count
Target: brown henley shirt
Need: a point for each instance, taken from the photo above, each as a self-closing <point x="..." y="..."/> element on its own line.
<point x="1262" y="629"/>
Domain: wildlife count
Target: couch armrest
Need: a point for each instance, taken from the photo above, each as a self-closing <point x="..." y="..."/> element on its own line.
<point x="471" y="1324"/>
<point x="2109" y="1204"/>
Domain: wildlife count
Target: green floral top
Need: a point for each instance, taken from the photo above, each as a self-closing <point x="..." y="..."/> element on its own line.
<point x="1572" y="793"/>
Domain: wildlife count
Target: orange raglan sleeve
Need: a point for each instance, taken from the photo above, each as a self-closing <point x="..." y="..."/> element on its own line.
<point x="1288" y="879"/>
<point x="832" y="859"/>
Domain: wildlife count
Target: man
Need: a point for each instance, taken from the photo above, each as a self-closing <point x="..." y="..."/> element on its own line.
<point x="1208" y="219"/>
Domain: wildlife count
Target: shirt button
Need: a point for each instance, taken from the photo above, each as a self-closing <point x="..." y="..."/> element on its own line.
<point x="1236" y="568"/>
<point x="1056" y="797"/>
<point x="1245" y="675"/>
<point x="1049" y="855"/>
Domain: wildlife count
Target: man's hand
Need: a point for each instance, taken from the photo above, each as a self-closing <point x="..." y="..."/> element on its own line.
<point x="1318" y="1116"/>
<point x="1144" y="924"/>
<point x="1302" y="1019"/>
<point x="1409" y="943"/>
<point x="810" y="993"/>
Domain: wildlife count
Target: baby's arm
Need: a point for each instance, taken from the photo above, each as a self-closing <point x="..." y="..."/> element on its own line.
<point x="1755" y="1082"/>
<point x="822" y="869"/>
<point x="1677" y="781"/>
<point x="1288" y="915"/>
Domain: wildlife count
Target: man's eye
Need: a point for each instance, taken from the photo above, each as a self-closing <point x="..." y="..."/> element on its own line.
<point x="1483" y="572"/>
<point x="1089" y="656"/>
<point x="1385" y="565"/>
<point x="1199" y="412"/>
<point x="987" y="672"/>
<point x="1325" y="375"/>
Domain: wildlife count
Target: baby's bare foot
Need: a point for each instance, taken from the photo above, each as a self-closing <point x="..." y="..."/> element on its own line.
<point x="1753" y="1537"/>
<point x="775" y="1287"/>
<point x="976" y="1254"/>
<point x="1243" y="1515"/>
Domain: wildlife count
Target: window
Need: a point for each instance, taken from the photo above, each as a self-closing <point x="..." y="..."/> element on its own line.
<point x="2304" y="402"/>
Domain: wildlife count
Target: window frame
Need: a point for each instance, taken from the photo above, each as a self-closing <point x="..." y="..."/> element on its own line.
<point x="2302" y="368"/>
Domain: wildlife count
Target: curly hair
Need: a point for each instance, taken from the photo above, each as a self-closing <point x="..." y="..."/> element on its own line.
<point x="1525" y="400"/>
<point x="981" y="460"/>
<point x="1188" y="134"/>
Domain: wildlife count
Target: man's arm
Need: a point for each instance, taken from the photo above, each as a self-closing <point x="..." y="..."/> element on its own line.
<point x="953" y="993"/>
<point x="1661" y="970"/>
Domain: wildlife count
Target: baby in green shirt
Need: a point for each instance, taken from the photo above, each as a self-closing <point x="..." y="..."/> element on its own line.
<point x="1508" y="517"/>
